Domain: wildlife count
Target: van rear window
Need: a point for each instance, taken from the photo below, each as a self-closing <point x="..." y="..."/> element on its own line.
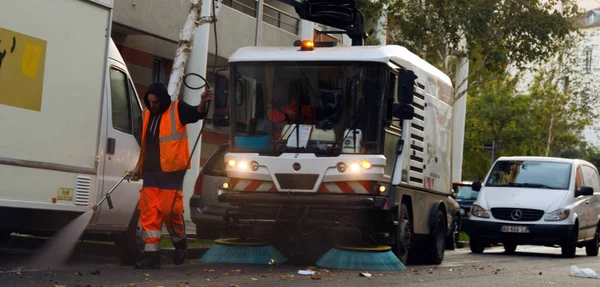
<point x="531" y="174"/>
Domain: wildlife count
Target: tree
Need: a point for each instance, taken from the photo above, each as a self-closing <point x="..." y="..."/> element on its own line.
<point x="498" y="33"/>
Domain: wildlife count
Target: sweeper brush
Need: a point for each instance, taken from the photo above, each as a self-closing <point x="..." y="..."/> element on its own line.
<point x="378" y="258"/>
<point x="233" y="250"/>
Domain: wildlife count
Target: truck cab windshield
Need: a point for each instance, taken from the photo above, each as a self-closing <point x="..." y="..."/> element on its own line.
<point x="321" y="108"/>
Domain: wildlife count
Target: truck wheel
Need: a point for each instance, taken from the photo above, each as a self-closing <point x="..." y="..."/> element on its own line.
<point x="477" y="245"/>
<point x="402" y="245"/>
<point x="437" y="241"/>
<point x="569" y="248"/>
<point x="452" y="238"/>
<point x="129" y="245"/>
<point x="591" y="248"/>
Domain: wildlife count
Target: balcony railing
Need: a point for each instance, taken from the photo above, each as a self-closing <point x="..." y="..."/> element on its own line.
<point x="271" y="15"/>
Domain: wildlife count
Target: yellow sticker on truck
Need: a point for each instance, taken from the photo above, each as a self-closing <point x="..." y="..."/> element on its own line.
<point x="22" y="64"/>
<point x="65" y="194"/>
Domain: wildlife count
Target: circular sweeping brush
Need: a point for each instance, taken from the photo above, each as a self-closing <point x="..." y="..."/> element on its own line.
<point x="376" y="258"/>
<point x="242" y="251"/>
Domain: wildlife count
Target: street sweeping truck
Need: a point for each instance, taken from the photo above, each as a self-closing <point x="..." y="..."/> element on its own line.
<point x="70" y="121"/>
<point x="339" y="145"/>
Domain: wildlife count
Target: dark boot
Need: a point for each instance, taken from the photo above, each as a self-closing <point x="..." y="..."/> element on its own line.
<point x="181" y="251"/>
<point x="151" y="260"/>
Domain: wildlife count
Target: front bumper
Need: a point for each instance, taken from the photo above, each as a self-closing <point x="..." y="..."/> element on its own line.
<point x="339" y="201"/>
<point x="538" y="234"/>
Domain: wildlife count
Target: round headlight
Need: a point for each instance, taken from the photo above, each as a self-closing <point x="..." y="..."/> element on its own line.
<point x="341" y="167"/>
<point x="254" y="165"/>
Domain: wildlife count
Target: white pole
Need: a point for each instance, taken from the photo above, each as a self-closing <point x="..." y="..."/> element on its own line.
<point x="381" y="24"/>
<point x="459" y="112"/>
<point x="307" y="30"/>
<point x="259" y="16"/>
<point x="197" y="64"/>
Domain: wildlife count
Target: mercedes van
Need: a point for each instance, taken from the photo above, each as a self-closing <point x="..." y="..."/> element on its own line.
<point x="537" y="201"/>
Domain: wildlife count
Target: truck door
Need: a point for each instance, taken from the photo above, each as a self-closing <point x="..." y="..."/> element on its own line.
<point x="122" y="148"/>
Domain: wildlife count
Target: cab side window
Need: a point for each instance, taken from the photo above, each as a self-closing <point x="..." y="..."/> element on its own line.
<point x="120" y="102"/>
<point x="578" y="179"/>
<point x="590" y="178"/>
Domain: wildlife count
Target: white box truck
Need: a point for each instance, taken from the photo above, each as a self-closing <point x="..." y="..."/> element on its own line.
<point x="70" y="121"/>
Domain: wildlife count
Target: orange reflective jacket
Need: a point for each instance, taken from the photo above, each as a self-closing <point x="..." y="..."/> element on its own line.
<point x="173" y="140"/>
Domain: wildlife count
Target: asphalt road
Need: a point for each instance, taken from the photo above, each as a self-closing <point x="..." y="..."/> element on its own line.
<point x="93" y="266"/>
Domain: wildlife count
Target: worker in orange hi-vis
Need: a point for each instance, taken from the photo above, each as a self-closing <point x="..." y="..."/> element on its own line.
<point x="163" y="162"/>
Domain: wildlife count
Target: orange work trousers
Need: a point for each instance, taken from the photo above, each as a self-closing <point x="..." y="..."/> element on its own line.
<point x="161" y="201"/>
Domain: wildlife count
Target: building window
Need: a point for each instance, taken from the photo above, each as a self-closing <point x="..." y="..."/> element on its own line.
<point x="587" y="60"/>
<point x="158" y="70"/>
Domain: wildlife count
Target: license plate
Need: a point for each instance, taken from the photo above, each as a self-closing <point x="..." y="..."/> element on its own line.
<point x="515" y="229"/>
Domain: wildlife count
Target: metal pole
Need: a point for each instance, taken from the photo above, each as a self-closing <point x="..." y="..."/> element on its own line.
<point x="259" y="16"/>
<point x="493" y="153"/>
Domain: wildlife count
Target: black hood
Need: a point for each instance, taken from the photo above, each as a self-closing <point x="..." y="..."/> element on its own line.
<point x="161" y="92"/>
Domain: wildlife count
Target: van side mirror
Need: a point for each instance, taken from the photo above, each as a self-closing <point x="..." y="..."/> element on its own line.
<point x="585" y="191"/>
<point x="476" y="186"/>
<point x="137" y="129"/>
<point x="406" y="87"/>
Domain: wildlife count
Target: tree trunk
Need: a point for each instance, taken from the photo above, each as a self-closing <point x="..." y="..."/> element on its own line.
<point x="550" y="139"/>
<point x="184" y="48"/>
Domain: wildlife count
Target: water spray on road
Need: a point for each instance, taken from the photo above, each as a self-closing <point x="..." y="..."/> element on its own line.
<point x="58" y="249"/>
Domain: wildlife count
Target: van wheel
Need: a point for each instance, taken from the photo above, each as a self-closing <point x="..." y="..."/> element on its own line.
<point x="129" y="245"/>
<point x="510" y="248"/>
<point x="452" y="238"/>
<point x="477" y="245"/>
<point x="438" y="241"/>
<point x="569" y="248"/>
<point x="591" y="248"/>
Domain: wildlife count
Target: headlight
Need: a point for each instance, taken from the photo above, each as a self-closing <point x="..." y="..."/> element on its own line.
<point x="478" y="211"/>
<point x="366" y="164"/>
<point x="354" y="166"/>
<point x="557" y="215"/>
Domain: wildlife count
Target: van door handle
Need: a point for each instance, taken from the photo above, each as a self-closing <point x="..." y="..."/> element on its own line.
<point x="110" y="148"/>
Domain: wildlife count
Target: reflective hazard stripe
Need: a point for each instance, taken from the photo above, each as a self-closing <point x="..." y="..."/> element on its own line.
<point x="151" y="247"/>
<point x="151" y="234"/>
<point x="174" y="135"/>
<point x="252" y="185"/>
<point x="178" y="238"/>
<point x="348" y="187"/>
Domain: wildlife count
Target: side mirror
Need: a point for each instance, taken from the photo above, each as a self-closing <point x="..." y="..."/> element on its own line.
<point x="137" y="130"/>
<point x="585" y="191"/>
<point x="221" y="115"/>
<point x="221" y="89"/>
<point x="476" y="186"/>
<point x="406" y="87"/>
<point x="403" y="111"/>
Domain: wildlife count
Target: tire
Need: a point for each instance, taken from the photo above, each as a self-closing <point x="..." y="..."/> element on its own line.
<point x="452" y="238"/>
<point x="129" y="245"/>
<point x="569" y="248"/>
<point x="403" y="234"/>
<point x="591" y="248"/>
<point x="437" y="241"/>
<point x="476" y="244"/>
<point x="510" y="248"/>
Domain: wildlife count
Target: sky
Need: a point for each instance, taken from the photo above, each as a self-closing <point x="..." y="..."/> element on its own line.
<point x="589" y="4"/>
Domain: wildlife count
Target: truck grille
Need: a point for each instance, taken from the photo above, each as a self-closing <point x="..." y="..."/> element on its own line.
<point x="512" y="214"/>
<point x="296" y="181"/>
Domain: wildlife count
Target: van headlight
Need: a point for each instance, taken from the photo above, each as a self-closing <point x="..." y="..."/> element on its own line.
<point x="557" y="215"/>
<point x="478" y="211"/>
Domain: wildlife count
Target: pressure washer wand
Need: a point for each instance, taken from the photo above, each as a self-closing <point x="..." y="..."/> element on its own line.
<point x="107" y="196"/>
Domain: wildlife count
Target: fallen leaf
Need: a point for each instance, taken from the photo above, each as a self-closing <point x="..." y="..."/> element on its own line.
<point x="95" y="272"/>
<point x="79" y="273"/>
<point x="315" y="277"/>
<point x="209" y="270"/>
<point x="329" y="279"/>
<point x="481" y="268"/>
<point x="188" y="273"/>
<point x="130" y="284"/>
<point x="147" y="275"/>
<point x="234" y="285"/>
<point x="254" y="279"/>
<point x="282" y="277"/>
<point x="225" y="274"/>
<point x="540" y="273"/>
<point x="237" y="271"/>
<point x="220" y="285"/>
<point x="146" y="279"/>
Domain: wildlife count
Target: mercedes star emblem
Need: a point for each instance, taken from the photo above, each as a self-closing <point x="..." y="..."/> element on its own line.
<point x="516" y="214"/>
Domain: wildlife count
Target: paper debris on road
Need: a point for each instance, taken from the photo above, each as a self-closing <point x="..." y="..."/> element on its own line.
<point x="365" y="274"/>
<point x="583" y="272"/>
<point x="306" y="272"/>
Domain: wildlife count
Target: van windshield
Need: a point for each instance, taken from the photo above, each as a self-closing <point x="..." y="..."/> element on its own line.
<point x="531" y="174"/>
